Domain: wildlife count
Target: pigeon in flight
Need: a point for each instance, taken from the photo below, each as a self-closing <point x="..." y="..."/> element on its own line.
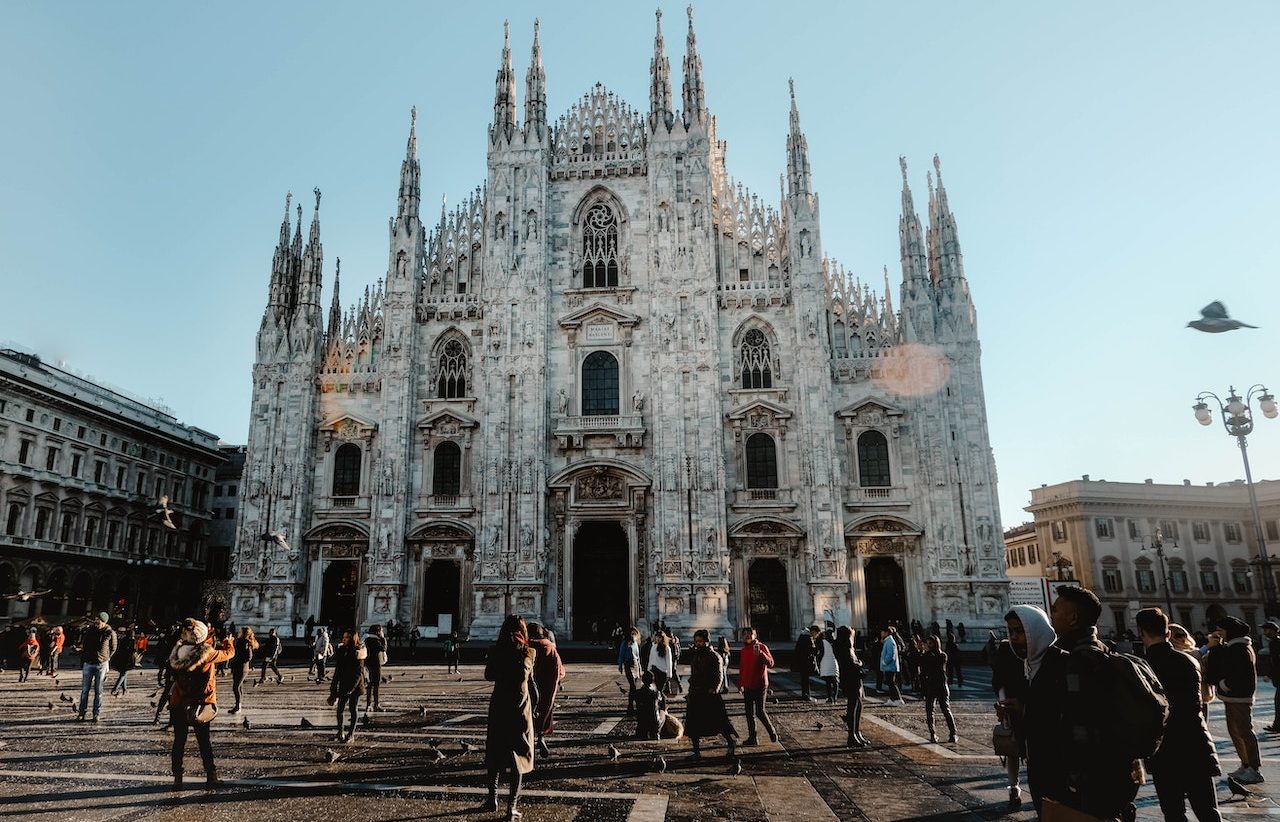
<point x="27" y="596"/>
<point x="1214" y="320"/>
<point x="164" y="513"/>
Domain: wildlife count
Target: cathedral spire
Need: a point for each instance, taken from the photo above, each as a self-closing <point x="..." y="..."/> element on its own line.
<point x="312" y="263"/>
<point x="280" y="260"/>
<point x="950" y="261"/>
<point x="293" y="279"/>
<point x="659" y="82"/>
<point x="535" y="89"/>
<point x="695" y="102"/>
<point x="910" y="236"/>
<point x="799" y="179"/>
<point x="410" y="174"/>
<point x="504" y="96"/>
<point x="335" y="307"/>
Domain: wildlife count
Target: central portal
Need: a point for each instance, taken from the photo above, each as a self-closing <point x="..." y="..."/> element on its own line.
<point x="338" y="596"/>
<point x="601" y="589"/>
<point x="886" y="594"/>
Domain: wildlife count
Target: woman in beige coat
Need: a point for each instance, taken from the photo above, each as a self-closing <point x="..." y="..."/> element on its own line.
<point x="509" y="740"/>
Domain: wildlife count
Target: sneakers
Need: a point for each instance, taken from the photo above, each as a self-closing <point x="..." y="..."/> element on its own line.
<point x="749" y="742"/>
<point x="1250" y="777"/>
<point x="1015" y="797"/>
<point x="897" y="703"/>
<point x="1239" y="772"/>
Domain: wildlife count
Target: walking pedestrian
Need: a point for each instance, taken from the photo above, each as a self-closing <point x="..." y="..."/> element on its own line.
<point x="1032" y="636"/>
<point x="1184" y="767"/>
<point x="509" y="736"/>
<point x="375" y="645"/>
<point x="804" y="660"/>
<point x="193" y="698"/>
<point x="1009" y="682"/>
<point x="828" y="667"/>
<point x="54" y="644"/>
<point x="1182" y="640"/>
<point x="320" y="652"/>
<point x="451" y="652"/>
<point x="754" y="662"/>
<point x="705" y="711"/>
<point x="889" y="666"/>
<point x="722" y="648"/>
<point x="123" y="661"/>
<point x="1271" y="630"/>
<point x="933" y="686"/>
<point x="271" y="647"/>
<point x="414" y="636"/>
<point x="660" y="662"/>
<point x="348" y="682"/>
<point x="97" y="646"/>
<point x="245" y="644"/>
<point x="548" y="670"/>
<point x="954" y="669"/>
<point x="1232" y="667"/>
<point x="850" y="667"/>
<point x="629" y="665"/>
<point x="28" y="653"/>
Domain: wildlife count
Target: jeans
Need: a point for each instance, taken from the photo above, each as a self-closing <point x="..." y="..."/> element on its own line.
<point x="178" y="718"/>
<point x="371" y="694"/>
<point x="319" y="663"/>
<point x="351" y="703"/>
<point x="1174" y="790"/>
<point x="51" y="662"/>
<point x="270" y="662"/>
<point x="659" y="680"/>
<point x="631" y="671"/>
<point x="753" y="701"/>
<point x="945" y="706"/>
<point x="1240" y="729"/>
<point x="91" y="674"/>
<point x="122" y="683"/>
<point x="891" y="679"/>
<point x="833" y="686"/>
<point x="806" y="685"/>
<point x="853" y="709"/>
<point x="237" y="682"/>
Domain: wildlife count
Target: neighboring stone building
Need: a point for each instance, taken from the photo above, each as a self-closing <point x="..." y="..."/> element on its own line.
<point x="612" y="385"/>
<point x="1022" y="551"/>
<point x="222" y="528"/>
<point x="1105" y="531"/>
<point x="82" y="468"/>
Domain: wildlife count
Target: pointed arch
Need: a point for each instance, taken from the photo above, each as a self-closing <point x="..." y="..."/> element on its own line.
<point x="756" y="361"/>
<point x="451" y="364"/>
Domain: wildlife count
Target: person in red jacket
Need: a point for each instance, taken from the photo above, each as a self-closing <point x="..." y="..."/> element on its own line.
<point x="192" y="661"/>
<point x="753" y="680"/>
<point x="28" y="654"/>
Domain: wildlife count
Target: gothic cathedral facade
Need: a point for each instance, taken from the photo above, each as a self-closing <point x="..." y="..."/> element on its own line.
<point x="612" y="385"/>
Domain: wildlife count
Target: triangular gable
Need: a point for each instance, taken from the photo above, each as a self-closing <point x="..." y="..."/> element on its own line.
<point x="870" y="404"/>
<point x="349" y="420"/>
<point x="577" y="319"/>
<point x="446" y="415"/>
<point x="759" y="406"/>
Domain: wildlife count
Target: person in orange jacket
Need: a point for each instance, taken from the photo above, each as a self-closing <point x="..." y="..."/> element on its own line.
<point x="28" y="653"/>
<point x="754" y="663"/>
<point x="193" y="697"/>
<point x="53" y="650"/>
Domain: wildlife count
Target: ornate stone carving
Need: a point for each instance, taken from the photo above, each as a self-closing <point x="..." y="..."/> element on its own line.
<point x="600" y="487"/>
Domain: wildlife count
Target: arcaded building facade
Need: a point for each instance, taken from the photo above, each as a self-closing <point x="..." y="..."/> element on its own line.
<point x="613" y="385"/>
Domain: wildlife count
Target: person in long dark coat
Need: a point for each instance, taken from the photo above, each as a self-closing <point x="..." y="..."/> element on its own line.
<point x="348" y="682"/>
<point x="1184" y="767"/>
<point x="705" y="711"/>
<point x="509" y="739"/>
<point x="548" y="670"/>
<point x="851" y="683"/>
<point x="1009" y="683"/>
<point x="933" y="686"/>
<point x="805" y="660"/>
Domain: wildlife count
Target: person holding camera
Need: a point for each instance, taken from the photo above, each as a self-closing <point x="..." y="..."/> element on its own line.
<point x="193" y="696"/>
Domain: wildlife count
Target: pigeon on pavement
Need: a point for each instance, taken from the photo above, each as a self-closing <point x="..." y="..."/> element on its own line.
<point x="737" y="767"/>
<point x="613" y="753"/>
<point x="1214" y="320"/>
<point x="662" y="764"/>
<point x="330" y="755"/>
<point x="305" y="723"/>
<point x="1237" y="788"/>
<point x="246" y="724"/>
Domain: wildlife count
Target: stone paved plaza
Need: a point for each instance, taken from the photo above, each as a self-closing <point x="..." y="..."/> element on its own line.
<point x="53" y="767"/>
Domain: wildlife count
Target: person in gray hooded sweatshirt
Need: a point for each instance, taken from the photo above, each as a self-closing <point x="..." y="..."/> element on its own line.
<point x="1033" y="706"/>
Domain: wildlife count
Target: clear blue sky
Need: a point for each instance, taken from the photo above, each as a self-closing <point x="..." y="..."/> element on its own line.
<point x="1113" y="167"/>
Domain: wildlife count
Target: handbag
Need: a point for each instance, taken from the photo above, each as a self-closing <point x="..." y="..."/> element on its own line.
<point x="1006" y="742"/>
<point x="382" y="658"/>
<point x="201" y="714"/>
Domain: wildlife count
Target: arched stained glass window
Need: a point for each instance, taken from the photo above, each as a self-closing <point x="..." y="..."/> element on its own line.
<point x="451" y="371"/>
<point x="873" y="460"/>
<point x="446" y="474"/>
<point x="600" y="248"/>
<point x="762" y="462"/>
<point x="346" y="470"/>
<point x="755" y="361"/>
<point x="599" y="384"/>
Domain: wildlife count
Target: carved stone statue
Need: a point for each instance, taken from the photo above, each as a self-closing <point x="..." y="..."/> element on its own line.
<point x="562" y="401"/>
<point x="637" y="400"/>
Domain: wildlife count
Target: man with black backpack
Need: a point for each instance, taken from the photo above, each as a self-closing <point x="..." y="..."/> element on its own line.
<point x="1113" y="713"/>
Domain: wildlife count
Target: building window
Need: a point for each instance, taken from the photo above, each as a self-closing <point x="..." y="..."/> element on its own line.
<point x="80" y="433"/>
<point x="1186" y="616"/>
<point x="1033" y="554"/>
<point x="24" y="451"/>
<point x="1241" y="581"/>
<point x="113" y="535"/>
<point x="1273" y="532"/>
<point x="1059" y="529"/>
<point x="1133" y="530"/>
<point x="451" y="370"/>
<point x="232" y="490"/>
<point x="14" y="520"/>
<point x="31" y="415"/>
<point x="599" y="385"/>
<point x="1119" y="615"/>
<point x="75" y="466"/>
<point x="1169" y="529"/>
<point x="762" y="462"/>
<point x="68" y="528"/>
<point x="1231" y="531"/>
<point x="755" y="360"/>
<point x="1111" y="582"/>
<point x="1209" y="581"/>
<point x="142" y="482"/>
<point x="42" y="522"/>
<point x="873" y="460"/>
<point x="346" y="470"/>
<point x="1178" y="581"/>
<point x="120" y="478"/>
<point x="1104" y="528"/>
<point x="99" y="468"/>
<point x="50" y="458"/>
<point x="600" y="248"/>
<point x="57" y="424"/>
<point x="1146" y="579"/>
<point x="91" y="531"/>
<point x="1200" y="531"/>
<point x="446" y="472"/>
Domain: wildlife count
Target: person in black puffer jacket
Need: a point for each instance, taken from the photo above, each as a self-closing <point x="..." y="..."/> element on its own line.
<point x="1233" y="669"/>
<point x="933" y="686"/>
<point x="347" y="684"/>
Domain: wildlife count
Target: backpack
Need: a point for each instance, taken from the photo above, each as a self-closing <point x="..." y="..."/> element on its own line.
<point x="1140" y="708"/>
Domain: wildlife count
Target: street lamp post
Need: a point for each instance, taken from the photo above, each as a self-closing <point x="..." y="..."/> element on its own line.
<point x="1237" y="419"/>
<point x="1157" y="544"/>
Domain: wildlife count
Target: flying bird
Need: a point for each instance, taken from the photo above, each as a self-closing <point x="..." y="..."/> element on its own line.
<point x="1237" y="788"/>
<point x="26" y="596"/>
<point x="164" y="513"/>
<point x="1214" y="320"/>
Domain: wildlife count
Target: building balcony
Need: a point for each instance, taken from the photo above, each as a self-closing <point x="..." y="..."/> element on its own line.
<point x="450" y="306"/>
<point x="626" y="430"/>
<point x="763" y="499"/>
<point x="65" y="549"/>
<point x="343" y="506"/>
<point x="857" y="497"/>
<point x="458" y="505"/>
<point x="754" y="293"/>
